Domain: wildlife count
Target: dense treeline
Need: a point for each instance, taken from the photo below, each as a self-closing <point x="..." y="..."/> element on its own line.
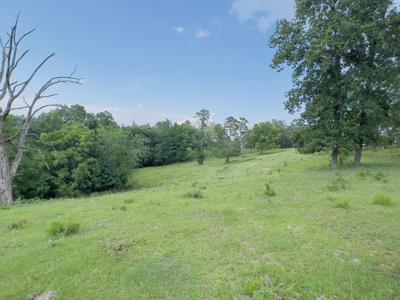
<point x="70" y="152"/>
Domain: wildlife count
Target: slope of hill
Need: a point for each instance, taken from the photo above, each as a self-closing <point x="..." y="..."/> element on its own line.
<point x="212" y="232"/>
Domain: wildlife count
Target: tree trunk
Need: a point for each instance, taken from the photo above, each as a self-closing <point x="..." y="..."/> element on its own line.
<point x="5" y="177"/>
<point x="335" y="155"/>
<point x="242" y="145"/>
<point x="357" y="155"/>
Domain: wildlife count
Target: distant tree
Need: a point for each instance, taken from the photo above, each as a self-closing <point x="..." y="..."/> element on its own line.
<point x="223" y="142"/>
<point x="285" y="133"/>
<point x="243" y="131"/>
<point x="203" y="116"/>
<point x="264" y="136"/>
<point x="10" y="90"/>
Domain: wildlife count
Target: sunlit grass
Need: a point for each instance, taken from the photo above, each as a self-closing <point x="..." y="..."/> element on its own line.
<point x="321" y="235"/>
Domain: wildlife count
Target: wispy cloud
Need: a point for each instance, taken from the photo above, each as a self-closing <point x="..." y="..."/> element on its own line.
<point x="263" y="12"/>
<point x="202" y="34"/>
<point x="179" y="29"/>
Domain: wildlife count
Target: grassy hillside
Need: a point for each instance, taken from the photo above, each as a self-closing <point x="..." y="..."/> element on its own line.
<point x="211" y="232"/>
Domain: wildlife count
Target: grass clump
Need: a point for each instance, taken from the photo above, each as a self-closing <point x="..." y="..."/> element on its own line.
<point x="344" y="204"/>
<point x="194" y="194"/>
<point x="383" y="200"/>
<point x="61" y="229"/>
<point x="364" y="174"/>
<point x="129" y="201"/>
<point x="380" y="176"/>
<point x="17" y="225"/>
<point x="337" y="183"/>
<point x="268" y="190"/>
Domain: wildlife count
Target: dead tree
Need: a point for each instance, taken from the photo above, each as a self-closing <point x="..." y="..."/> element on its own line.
<point x="11" y="92"/>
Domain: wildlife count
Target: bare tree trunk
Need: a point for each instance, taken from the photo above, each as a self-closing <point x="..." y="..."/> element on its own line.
<point x="11" y="90"/>
<point x="5" y="179"/>
<point x="335" y="155"/>
<point x="357" y="155"/>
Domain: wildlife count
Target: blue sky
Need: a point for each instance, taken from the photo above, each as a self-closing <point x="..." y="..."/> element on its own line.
<point x="148" y="60"/>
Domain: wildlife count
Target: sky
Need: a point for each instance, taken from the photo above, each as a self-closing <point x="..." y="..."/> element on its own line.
<point x="148" y="60"/>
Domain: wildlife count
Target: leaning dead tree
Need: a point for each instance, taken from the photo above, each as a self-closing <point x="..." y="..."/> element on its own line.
<point x="12" y="93"/>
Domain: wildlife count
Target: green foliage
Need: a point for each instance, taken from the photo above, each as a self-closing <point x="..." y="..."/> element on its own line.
<point x="63" y="229"/>
<point x="383" y="200"/>
<point x="202" y="116"/>
<point x="264" y="136"/>
<point x="339" y="55"/>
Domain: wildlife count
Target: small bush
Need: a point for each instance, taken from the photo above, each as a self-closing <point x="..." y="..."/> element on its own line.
<point x="17" y="225"/>
<point x="268" y="190"/>
<point x="61" y="229"/>
<point x="129" y="201"/>
<point x="194" y="194"/>
<point x="337" y="183"/>
<point x="383" y="200"/>
<point x="345" y="204"/>
<point x="123" y="208"/>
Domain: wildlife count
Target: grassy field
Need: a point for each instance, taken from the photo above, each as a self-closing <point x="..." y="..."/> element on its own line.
<point x="212" y="232"/>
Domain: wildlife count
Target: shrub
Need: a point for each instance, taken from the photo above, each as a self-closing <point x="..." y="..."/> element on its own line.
<point x="383" y="200"/>
<point x="345" y="204"/>
<point x="337" y="183"/>
<point x="61" y="229"/>
<point x="194" y="194"/>
<point x="268" y="190"/>
<point x="17" y="225"/>
<point x="123" y="208"/>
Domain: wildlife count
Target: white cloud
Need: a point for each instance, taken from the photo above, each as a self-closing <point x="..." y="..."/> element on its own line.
<point x="179" y="29"/>
<point x="202" y="34"/>
<point x="263" y="12"/>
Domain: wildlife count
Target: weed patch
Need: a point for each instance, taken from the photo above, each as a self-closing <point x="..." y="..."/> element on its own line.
<point x="17" y="225"/>
<point x="344" y="204"/>
<point x="383" y="200"/>
<point x="61" y="229"/>
<point x="194" y="194"/>
<point x="337" y="183"/>
<point x="380" y="176"/>
<point x="268" y="190"/>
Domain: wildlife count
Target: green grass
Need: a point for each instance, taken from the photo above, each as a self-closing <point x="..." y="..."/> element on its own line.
<point x="233" y="243"/>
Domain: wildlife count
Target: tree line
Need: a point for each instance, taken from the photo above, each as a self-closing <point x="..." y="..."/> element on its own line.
<point x="71" y="152"/>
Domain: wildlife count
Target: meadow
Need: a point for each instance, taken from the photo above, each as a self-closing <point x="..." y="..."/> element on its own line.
<point x="276" y="226"/>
